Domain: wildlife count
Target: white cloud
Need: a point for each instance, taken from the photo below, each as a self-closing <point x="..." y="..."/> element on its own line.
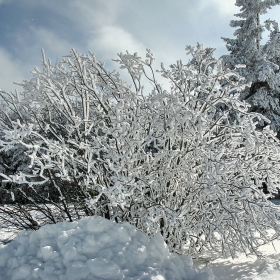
<point x="226" y="7"/>
<point x="10" y="71"/>
<point x="88" y="14"/>
<point x="110" y="40"/>
<point x="30" y="44"/>
<point x="50" y="42"/>
<point x="34" y="39"/>
<point x="97" y="13"/>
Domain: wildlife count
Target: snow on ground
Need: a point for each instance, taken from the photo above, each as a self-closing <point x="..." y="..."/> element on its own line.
<point x="93" y="248"/>
<point x="248" y="268"/>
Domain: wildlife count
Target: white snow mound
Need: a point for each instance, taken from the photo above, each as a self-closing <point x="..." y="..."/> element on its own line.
<point x="93" y="248"/>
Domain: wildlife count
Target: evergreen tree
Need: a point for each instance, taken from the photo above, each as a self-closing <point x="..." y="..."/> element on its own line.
<point x="257" y="63"/>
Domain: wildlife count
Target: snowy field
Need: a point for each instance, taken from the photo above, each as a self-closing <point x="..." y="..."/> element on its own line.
<point x="95" y="248"/>
<point x="248" y="268"/>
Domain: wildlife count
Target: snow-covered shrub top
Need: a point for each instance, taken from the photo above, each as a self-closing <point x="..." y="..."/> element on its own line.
<point x="93" y="248"/>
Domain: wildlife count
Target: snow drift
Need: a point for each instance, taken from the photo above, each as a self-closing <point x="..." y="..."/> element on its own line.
<point x="93" y="248"/>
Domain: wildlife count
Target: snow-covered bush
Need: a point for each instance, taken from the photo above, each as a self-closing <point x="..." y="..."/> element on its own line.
<point x="13" y="160"/>
<point x="185" y="161"/>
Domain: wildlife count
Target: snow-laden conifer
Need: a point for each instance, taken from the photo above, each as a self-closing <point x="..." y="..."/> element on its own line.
<point x="258" y="62"/>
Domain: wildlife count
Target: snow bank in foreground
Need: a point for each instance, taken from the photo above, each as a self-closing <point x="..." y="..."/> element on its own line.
<point x="93" y="248"/>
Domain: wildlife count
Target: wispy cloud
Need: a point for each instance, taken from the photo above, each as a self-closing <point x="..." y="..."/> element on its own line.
<point x="225" y="8"/>
<point x="10" y="71"/>
<point x="110" y="40"/>
<point x="109" y="27"/>
<point x="49" y="40"/>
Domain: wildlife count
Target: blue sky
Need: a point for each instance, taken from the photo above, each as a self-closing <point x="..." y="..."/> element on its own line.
<point x="107" y="27"/>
